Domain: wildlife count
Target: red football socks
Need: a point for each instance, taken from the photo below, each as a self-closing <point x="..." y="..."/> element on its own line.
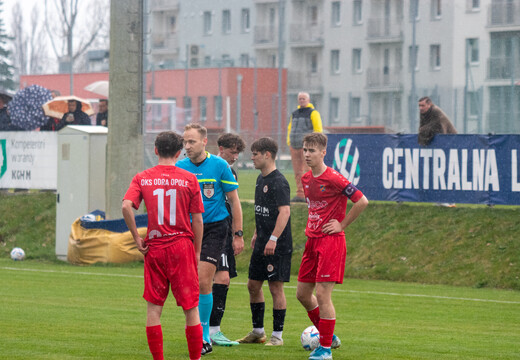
<point x="155" y="341"/>
<point x="194" y="338"/>
<point x="314" y="315"/>
<point x="326" y="331"/>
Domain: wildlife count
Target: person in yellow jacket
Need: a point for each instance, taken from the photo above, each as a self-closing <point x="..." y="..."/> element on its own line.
<point x="304" y="120"/>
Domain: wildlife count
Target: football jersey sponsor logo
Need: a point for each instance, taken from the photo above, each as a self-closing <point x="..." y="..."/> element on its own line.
<point x="154" y="234"/>
<point x="346" y="159"/>
<point x="209" y="190"/>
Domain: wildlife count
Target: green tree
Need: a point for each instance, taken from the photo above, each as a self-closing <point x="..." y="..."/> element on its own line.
<point x="6" y="69"/>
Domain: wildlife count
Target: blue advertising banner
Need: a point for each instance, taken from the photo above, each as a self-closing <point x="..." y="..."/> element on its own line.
<point x="474" y="169"/>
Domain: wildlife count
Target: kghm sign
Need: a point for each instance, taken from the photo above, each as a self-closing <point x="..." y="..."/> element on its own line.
<point x="28" y="160"/>
<point x="453" y="168"/>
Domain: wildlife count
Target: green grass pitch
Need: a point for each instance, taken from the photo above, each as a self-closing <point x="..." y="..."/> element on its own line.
<point x="58" y="311"/>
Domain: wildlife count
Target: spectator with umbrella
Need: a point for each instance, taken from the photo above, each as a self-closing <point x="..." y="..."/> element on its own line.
<point x="71" y="109"/>
<point x="25" y="108"/>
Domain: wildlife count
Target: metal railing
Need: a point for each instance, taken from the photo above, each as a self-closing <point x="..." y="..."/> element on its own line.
<point x="503" y="68"/>
<point x="386" y="77"/>
<point x="306" y="33"/>
<point x="504" y="13"/>
<point x="385" y="29"/>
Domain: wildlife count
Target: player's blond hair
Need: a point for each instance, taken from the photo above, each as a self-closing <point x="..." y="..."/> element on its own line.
<point x="201" y="129"/>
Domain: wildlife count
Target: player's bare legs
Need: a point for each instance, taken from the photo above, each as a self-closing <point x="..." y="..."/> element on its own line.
<point x="305" y="295"/>
<point x="153" y="314"/>
<point x="206" y="274"/>
<point x="324" y="298"/>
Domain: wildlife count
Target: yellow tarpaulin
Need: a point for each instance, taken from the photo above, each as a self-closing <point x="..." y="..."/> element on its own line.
<point x="89" y="246"/>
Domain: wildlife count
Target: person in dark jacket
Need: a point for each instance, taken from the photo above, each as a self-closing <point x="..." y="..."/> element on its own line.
<point x="433" y="121"/>
<point x="75" y="116"/>
<point x="102" y="115"/>
<point x="5" y="119"/>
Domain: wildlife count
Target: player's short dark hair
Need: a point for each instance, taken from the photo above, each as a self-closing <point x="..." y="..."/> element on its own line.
<point x="168" y="144"/>
<point x="201" y="129"/>
<point x="316" y="138"/>
<point x="427" y="99"/>
<point x="104" y="100"/>
<point x="265" y="144"/>
<point x="231" y="141"/>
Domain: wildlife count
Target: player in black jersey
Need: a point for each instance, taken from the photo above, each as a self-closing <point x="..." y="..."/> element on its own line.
<point x="229" y="147"/>
<point x="271" y="243"/>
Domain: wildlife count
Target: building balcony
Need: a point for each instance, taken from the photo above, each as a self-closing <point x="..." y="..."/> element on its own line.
<point x="504" y="15"/>
<point x="304" y="35"/>
<point x="164" y="5"/>
<point x="266" y="36"/>
<point x="503" y="122"/>
<point x="384" y="30"/>
<point x="503" y="69"/>
<point x="164" y="43"/>
<point x="305" y="81"/>
<point x="384" y="79"/>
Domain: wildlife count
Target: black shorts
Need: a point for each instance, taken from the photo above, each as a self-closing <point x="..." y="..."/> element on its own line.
<point x="270" y="268"/>
<point x="227" y="258"/>
<point x="213" y="241"/>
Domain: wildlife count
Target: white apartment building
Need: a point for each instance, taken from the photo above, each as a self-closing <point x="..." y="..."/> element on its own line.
<point x="364" y="62"/>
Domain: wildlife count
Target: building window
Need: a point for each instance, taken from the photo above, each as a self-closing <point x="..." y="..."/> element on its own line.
<point x="435" y="57"/>
<point x="172" y="24"/>
<point x="313" y="15"/>
<point x="473" y="104"/>
<point x="334" y="61"/>
<point x="244" y="60"/>
<point x="474" y="5"/>
<point x="413" y="54"/>
<point x="207" y="23"/>
<point x="203" y="102"/>
<point x="218" y="107"/>
<point x="436" y="9"/>
<point x="207" y="61"/>
<point x="336" y="13"/>
<point x="313" y="63"/>
<point x="414" y="10"/>
<point x="355" y="108"/>
<point x="273" y="61"/>
<point x="356" y="61"/>
<point x="245" y="21"/>
<point x="472" y="51"/>
<point x="187" y="108"/>
<point x="334" y="109"/>
<point x="358" y="12"/>
<point x="226" y="21"/>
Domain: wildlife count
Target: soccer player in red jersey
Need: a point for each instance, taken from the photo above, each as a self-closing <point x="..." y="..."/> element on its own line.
<point x="323" y="262"/>
<point x="172" y="244"/>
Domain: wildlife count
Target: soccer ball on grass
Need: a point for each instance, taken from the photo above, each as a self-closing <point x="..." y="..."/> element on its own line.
<point x="310" y="338"/>
<point x="17" y="254"/>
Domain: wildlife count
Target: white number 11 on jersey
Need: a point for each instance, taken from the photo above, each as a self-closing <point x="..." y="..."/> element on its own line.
<point x="172" y="193"/>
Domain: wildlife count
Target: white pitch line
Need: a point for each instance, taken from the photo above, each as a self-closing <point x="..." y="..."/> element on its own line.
<point x="287" y="287"/>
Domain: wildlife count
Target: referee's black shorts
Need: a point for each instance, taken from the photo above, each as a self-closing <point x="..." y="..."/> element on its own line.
<point x="214" y="241"/>
<point x="227" y="260"/>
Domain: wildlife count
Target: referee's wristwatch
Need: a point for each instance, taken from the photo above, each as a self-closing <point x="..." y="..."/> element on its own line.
<point x="239" y="233"/>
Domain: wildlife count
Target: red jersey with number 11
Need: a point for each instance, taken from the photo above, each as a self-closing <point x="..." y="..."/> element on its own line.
<point x="170" y="194"/>
<point x="326" y="197"/>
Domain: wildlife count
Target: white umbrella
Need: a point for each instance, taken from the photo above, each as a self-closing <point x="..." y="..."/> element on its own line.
<point x="98" y="87"/>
